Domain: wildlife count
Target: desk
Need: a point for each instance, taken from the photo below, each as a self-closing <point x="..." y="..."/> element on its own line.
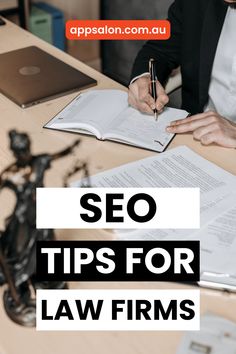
<point x="101" y="155"/>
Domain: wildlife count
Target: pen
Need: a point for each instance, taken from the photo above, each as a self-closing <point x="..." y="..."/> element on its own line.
<point x="153" y="77"/>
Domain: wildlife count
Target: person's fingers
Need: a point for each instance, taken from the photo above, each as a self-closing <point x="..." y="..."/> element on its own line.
<point x="143" y="88"/>
<point x="162" y="98"/>
<point x="208" y="138"/>
<point x="141" y="99"/>
<point x="200" y="132"/>
<point x="219" y="137"/>
<point x="133" y="89"/>
<point x="148" y="99"/>
<point x="161" y="111"/>
<point x="208" y="128"/>
<point x="144" y="96"/>
<point x="190" y="126"/>
<point x="145" y="102"/>
<point x="194" y="117"/>
<point x="138" y="104"/>
<point x="161" y="102"/>
<point x="131" y="95"/>
<point x="141" y="106"/>
<point x="160" y="89"/>
<point x="144" y="107"/>
<point x="131" y="100"/>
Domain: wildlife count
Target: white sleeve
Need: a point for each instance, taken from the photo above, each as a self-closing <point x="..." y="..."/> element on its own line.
<point x="138" y="77"/>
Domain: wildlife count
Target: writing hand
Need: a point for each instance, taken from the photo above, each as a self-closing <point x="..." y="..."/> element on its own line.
<point x="141" y="99"/>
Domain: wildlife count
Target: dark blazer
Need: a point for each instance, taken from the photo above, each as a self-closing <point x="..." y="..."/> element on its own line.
<point x="196" y="27"/>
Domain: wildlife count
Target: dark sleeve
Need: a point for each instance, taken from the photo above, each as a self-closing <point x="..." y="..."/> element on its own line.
<point x="167" y="52"/>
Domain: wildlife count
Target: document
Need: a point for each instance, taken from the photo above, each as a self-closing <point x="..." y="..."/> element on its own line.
<point x="222" y="229"/>
<point x="217" y="336"/>
<point x="218" y="244"/>
<point x="181" y="167"/>
<point x="106" y="115"/>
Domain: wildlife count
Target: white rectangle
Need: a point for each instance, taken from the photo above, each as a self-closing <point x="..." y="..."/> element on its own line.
<point x="107" y="298"/>
<point x="60" y="208"/>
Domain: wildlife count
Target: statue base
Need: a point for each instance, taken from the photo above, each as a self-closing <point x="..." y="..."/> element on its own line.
<point x="23" y="314"/>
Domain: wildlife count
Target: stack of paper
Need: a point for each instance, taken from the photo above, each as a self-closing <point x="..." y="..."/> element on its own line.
<point x="181" y="167"/>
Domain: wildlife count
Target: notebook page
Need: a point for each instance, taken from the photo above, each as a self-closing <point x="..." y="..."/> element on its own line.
<point x="93" y="110"/>
<point x="142" y="129"/>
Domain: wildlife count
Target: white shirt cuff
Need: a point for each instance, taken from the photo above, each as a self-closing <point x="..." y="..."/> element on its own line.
<point x="138" y="77"/>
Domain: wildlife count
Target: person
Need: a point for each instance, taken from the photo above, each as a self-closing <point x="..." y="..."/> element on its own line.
<point x="203" y="44"/>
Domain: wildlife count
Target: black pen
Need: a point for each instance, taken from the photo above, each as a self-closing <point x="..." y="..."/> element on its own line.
<point x="153" y="77"/>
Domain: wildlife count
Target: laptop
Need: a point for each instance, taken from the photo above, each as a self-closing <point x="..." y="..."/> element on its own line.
<point x="29" y="76"/>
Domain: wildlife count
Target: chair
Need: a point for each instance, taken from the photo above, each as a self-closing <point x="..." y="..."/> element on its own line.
<point x="118" y="56"/>
<point x="22" y="10"/>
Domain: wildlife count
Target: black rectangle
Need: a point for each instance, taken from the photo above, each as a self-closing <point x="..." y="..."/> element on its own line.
<point x="141" y="272"/>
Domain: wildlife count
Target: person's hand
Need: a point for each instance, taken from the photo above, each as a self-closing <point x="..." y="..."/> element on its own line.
<point x="141" y="99"/>
<point x="208" y="128"/>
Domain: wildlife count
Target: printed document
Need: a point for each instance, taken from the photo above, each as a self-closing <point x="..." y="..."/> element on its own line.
<point x="181" y="167"/>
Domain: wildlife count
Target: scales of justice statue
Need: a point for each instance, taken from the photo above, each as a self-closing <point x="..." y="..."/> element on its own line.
<point x="18" y="240"/>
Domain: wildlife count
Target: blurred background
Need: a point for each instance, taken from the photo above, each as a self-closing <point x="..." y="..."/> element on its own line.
<point x="46" y="20"/>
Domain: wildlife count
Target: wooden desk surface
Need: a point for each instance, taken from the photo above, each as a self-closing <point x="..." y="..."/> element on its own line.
<point x="101" y="155"/>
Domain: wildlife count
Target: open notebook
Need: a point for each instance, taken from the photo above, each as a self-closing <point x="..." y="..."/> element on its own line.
<point x="107" y="115"/>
